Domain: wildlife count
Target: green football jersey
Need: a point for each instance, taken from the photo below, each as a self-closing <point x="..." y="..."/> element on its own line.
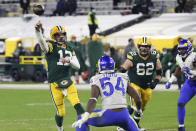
<point x="142" y="71"/>
<point x="56" y="69"/>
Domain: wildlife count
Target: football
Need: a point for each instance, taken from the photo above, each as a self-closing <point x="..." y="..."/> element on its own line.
<point x="38" y="9"/>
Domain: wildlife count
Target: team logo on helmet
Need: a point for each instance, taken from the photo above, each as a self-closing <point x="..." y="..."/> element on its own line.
<point x="55" y="30"/>
<point x="144" y="41"/>
<point x="106" y="64"/>
<point x="184" y="48"/>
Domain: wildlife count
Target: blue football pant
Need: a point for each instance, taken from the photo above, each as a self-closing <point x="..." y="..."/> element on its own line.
<point x="186" y="94"/>
<point x="110" y="118"/>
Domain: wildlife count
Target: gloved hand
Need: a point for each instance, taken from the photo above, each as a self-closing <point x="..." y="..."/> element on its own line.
<point x="81" y="121"/>
<point x="185" y="69"/>
<point x="154" y="83"/>
<point x="168" y="84"/>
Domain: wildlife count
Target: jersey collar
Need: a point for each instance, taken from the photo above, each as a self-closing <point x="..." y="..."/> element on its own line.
<point x="144" y="58"/>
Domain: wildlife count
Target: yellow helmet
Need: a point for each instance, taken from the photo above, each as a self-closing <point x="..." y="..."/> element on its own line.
<point x="95" y="37"/>
<point x="144" y="46"/>
<point x="72" y="37"/>
<point x="55" y="30"/>
<point x="144" y="41"/>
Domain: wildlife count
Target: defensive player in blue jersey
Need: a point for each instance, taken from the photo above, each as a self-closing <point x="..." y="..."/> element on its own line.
<point x="187" y="65"/>
<point x="112" y="88"/>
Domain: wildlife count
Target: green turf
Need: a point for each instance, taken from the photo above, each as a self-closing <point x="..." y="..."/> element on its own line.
<point x="32" y="110"/>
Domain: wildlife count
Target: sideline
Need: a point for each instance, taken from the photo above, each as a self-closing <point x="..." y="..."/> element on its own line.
<point x="159" y="87"/>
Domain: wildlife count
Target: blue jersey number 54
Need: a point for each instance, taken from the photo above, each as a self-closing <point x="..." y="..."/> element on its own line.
<point x="106" y="84"/>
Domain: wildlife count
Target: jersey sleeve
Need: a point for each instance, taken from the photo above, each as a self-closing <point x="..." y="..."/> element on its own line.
<point x="126" y="77"/>
<point x="50" y="45"/>
<point x="93" y="80"/>
<point x="130" y="55"/>
<point x="179" y="61"/>
<point x="190" y="60"/>
<point x="156" y="54"/>
<point x="71" y="49"/>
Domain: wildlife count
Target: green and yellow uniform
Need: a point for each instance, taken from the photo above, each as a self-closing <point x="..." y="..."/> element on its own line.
<point x="141" y="74"/>
<point x="59" y="76"/>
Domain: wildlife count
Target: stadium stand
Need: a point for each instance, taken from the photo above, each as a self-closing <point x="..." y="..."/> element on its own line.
<point x="103" y="7"/>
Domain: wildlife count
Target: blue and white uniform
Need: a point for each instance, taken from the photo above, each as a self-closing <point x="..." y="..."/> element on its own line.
<point x="113" y="87"/>
<point x="186" y="59"/>
<point x="189" y="88"/>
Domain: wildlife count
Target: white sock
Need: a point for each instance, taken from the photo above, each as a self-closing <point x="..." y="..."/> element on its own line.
<point x="181" y="125"/>
<point x="60" y="128"/>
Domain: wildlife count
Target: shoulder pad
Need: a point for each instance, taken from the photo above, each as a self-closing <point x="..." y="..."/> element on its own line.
<point x="93" y="80"/>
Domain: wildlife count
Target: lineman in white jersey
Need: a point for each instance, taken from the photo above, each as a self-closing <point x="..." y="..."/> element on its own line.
<point x="112" y="87"/>
<point x="187" y="65"/>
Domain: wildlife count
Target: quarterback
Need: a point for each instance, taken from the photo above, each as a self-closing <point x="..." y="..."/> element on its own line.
<point x="112" y="88"/>
<point x="186" y="60"/>
<point x="144" y="71"/>
<point x="60" y="58"/>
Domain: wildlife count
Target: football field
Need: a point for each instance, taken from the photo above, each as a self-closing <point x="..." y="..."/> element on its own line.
<point x="33" y="110"/>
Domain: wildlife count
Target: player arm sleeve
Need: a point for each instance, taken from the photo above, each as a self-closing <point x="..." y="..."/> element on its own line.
<point x="42" y="42"/>
<point x="74" y="63"/>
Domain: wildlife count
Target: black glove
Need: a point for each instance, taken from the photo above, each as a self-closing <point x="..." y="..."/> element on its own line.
<point x="154" y="83"/>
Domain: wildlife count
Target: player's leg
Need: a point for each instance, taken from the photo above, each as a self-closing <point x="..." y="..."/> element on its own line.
<point x="72" y="96"/>
<point x="110" y="118"/>
<point x="186" y="93"/>
<point x="129" y="124"/>
<point x="132" y="107"/>
<point x="100" y="118"/>
<point x="145" y="96"/>
<point x="58" y="100"/>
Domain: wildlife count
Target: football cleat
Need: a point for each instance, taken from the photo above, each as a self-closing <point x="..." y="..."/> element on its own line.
<point x="106" y="64"/>
<point x="184" y="48"/>
<point x="181" y="129"/>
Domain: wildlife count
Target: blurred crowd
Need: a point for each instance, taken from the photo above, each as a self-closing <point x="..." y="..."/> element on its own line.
<point x="88" y="53"/>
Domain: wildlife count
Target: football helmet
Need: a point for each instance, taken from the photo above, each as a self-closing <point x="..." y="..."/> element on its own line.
<point x="144" y="46"/>
<point x="106" y="64"/>
<point x="184" y="48"/>
<point x="95" y="37"/>
<point x="56" y="32"/>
